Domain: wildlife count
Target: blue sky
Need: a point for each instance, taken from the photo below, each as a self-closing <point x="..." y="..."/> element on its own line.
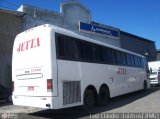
<point x="139" y="17"/>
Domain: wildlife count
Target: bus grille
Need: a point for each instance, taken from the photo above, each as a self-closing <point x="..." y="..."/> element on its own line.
<point x="71" y="92"/>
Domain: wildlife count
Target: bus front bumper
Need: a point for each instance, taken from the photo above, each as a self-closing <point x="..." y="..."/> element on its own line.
<point x="154" y="81"/>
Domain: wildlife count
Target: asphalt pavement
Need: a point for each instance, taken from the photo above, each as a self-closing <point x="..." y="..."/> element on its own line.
<point x="139" y="102"/>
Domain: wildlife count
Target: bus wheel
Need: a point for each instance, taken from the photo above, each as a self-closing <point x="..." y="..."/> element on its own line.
<point x="145" y="86"/>
<point x="88" y="100"/>
<point x="103" y="96"/>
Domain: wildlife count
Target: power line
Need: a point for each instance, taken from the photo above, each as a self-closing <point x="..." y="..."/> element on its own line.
<point x="10" y="3"/>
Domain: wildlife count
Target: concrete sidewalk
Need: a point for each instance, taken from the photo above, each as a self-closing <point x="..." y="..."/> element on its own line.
<point x="10" y="108"/>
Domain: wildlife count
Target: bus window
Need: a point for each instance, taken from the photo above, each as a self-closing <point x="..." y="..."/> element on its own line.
<point x="129" y="63"/>
<point x="132" y="61"/>
<point x="86" y="51"/>
<point x="139" y="62"/>
<point x="136" y="61"/>
<point x="97" y="53"/>
<point x="124" y="62"/>
<point x="119" y="58"/>
<point x="108" y="56"/>
<point x="142" y="62"/>
<point x="65" y="47"/>
<point x="76" y="45"/>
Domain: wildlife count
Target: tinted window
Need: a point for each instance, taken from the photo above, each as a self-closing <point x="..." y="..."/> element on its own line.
<point x="124" y="62"/>
<point x="142" y="62"/>
<point x="132" y="61"/>
<point x="86" y="51"/>
<point x="108" y="56"/>
<point x="97" y="53"/>
<point x="139" y="62"/>
<point x="76" y="49"/>
<point x="64" y="46"/>
<point x="119" y="58"/>
<point x="136" y="61"/>
<point x="70" y="48"/>
<point x="129" y="63"/>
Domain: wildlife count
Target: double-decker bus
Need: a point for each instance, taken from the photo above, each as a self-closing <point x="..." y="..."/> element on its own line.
<point x="56" y="68"/>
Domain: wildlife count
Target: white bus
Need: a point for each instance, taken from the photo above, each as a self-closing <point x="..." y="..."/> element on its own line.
<point x="56" y="68"/>
<point x="154" y="76"/>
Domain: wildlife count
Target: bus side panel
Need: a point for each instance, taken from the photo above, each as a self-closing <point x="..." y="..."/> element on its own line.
<point x="85" y="73"/>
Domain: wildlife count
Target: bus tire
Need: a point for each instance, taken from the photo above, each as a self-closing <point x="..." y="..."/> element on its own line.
<point x="88" y="100"/>
<point x="145" y="86"/>
<point x="103" y="96"/>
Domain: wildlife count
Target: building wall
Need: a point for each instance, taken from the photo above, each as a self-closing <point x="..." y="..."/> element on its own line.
<point x="71" y="13"/>
<point x="138" y="45"/>
<point x="37" y="16"/>
<point x="158" y="55"/>
<point x="10" y="26"/>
